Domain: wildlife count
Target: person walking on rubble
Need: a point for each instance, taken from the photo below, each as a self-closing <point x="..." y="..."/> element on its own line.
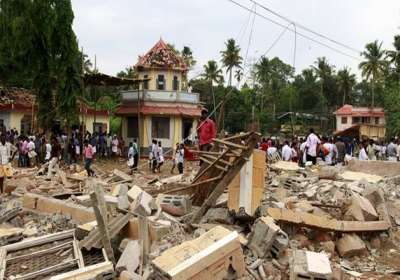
<point x="312" y="145"/>
<point x="54" y="157"/>
<point x="206" y="131"/>
<point x="88" y="153"/>
<point x="5" y="166"/>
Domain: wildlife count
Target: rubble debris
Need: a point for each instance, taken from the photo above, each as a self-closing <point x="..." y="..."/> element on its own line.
<point x="351" y="245"/>
<point x="130" y="257"/>
<point x="143" y="205"/>
<point x="262" y="236"/>
<point x="210" y="256"/>
<point x="309" y="265"/>
<point x="8" y="214"/>
<point x="376" y="167"/>
<point x="174" y="204"/>
<point x="357" y="176"/>
<point x="123" y="201"/>
<point x="51" y="205"/>
<point x="361" y="209"/>
<point x="218" y="215"/>
<point x="321" y="223"/>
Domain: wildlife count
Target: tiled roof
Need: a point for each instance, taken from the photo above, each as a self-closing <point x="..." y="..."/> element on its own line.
<point x="360" y="111"/>
<point x="162" y="56"/>
<point x="16" y="98"/>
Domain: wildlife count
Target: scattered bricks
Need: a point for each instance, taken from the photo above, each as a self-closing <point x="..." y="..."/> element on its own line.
<point x="361" y="209"/>
<point x="262" y="236"/>
<point x="351" y="245"/>
<point x="376" y="197"/>
<point x="218" y="215"/>
<point x="175" y="205"/>
<point x="130" y="258"/>
<point x="309" y="265"/>
<point x="123" y="202"/>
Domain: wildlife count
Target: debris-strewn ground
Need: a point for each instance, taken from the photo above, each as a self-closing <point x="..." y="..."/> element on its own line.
<point x="350" y="217"/>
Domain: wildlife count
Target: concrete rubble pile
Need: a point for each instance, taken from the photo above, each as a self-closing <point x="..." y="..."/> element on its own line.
<point x="303" y="223"/>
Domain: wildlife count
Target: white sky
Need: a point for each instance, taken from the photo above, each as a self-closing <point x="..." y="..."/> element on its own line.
<point x="120" y="30"/>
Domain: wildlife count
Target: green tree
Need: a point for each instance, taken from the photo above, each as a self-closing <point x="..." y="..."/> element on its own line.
<point x="187" y="56"/>
<point x="374" y="66"/>
<point x="324" y="71"/>
<point x="129" y="72"/>
<point x="231" y="58"/>
<point x="346" y="82"/>
<point x="393" y="57"/>
<point x="213" y="75"/>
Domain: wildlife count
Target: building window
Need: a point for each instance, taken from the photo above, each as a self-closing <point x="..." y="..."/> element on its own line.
<point x="344" y="120"/>
<point x="365" y="120"/>
<point x="132" y="129"/>
<point x="160" y="127"/>
<point x="356" y="120"/>
<point x="160" y="82"/>
<point x="145" y="83"/>
<point x="175" y="83"/>
<point x="376" y="120"/>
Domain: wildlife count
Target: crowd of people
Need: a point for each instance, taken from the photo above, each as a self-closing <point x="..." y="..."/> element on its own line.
<point x="330" y="150"/>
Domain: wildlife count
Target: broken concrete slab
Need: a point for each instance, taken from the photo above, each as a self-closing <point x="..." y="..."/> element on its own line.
<point x="143" y="204"/>
<point x="218" y="215"/>
<point x="130" y="258"/>
<point x="262" y="236"/>
<point x="357" y="176"/>
<point x="123" y="201"/>
<point x="361" y="209"/>
<point x="209" y="256"/>
<point x="51" y="205"/>
<point x="351" y="245"/>
<point x="321" y="223"/>
<point x="133" y="192"/>
<point x="376" y="167"/>
<point x="309" y="265"/>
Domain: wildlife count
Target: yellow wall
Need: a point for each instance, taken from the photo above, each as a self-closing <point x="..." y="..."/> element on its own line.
<point x="89" y="120"/>
<point x="15" y="120"/>
<point x="168" y="75"/>
<point x="177" y="130"/>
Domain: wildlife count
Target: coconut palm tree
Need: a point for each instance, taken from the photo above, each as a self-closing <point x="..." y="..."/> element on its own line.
<point x="231" y="58"/>
<point x="323" y="70"/>
<point x="393" y="56"/>
<point x="262" y="72"/>
<point x="213" y="74"/>
<point x="374" y="65"/>
<point x="346" y="82"/>
<point x="238" y="75"/>
<point x="187" y="56"/>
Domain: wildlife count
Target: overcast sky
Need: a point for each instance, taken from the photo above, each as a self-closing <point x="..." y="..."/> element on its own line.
<point x="118" y="31"/>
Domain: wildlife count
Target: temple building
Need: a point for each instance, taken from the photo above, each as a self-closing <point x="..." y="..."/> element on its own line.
<point x="163" y="108"/>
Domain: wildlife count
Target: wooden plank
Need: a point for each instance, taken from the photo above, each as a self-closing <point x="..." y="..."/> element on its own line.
<point x="238" y="136"/>
<point x="230" y="144"/>
<point x="226" y="180"/>
<point x="42" y="252"/>
<point x="47" y="270"/>
<point x="202" y="172"/>
<point x="122" y="175"/>
<point x="218" y="159"/>
<point x="212" y="153"/>
<point x="144" y="242"/>
<point x="101" y="224"/>
<point x="215" y="165"/>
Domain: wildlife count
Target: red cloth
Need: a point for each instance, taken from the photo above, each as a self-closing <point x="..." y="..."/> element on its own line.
<point x="206" y="131"/>
<point x="264" y="146"/>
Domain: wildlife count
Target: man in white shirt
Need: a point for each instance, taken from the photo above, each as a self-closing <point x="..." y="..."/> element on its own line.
<point x="303" y="153"/>
<point x="363" y="153"/>
<point x="286" y="152"/>
<point x="312" y="143"/>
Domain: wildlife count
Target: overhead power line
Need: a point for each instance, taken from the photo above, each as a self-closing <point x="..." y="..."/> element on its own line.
<point x="294" y="31"/>
<point x="305" y="28"/>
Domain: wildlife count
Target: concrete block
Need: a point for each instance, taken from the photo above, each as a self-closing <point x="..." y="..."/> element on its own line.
<point x="134" y="192"/>
<point x="126" y="275"/>
<point x="361" y="209"/>
<point x="123" y="202"/>
<point x="262" y="236"/>
<point x="309" y="265"/>
<point x="176" y="205"/>
<point x="130" y="258"/>
<point x="143" y="204"/>
<point x="159" y="229"/>
<point x="351" y="245"/>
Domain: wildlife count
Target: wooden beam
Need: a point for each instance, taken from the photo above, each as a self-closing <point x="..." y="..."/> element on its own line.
<point x="230" y="144"/>
<point x="228" y="177"/>
<point x="238" y="136"/>
<point x="193" y="185"/>
<point x="218" y="159"/>
<point x="215" y="165"/>
<point x="201" y="173"/>
<point x="97" y="200"/>
<point x="212" y="153"/>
